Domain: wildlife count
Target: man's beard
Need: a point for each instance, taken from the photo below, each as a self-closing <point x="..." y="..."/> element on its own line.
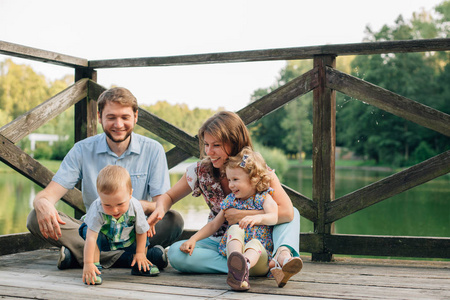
<point x="108" y="134"/>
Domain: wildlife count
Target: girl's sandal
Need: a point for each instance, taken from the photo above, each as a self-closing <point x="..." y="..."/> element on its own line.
<point x="291" y="266"/>
<point x="238" y="272"/>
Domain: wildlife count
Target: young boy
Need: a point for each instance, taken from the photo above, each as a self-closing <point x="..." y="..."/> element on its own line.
<point x="114" y="221"/>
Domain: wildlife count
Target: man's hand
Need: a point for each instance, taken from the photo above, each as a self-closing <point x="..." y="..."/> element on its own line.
<point x="46" y="213"/>
<point x="48" y="219"/>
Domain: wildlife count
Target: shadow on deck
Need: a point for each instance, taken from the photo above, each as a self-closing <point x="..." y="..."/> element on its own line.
<point x="35" y="275"/>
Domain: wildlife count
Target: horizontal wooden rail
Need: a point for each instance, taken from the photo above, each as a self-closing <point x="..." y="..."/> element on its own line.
<point x="41" y="55"/>
<point x="371" y="245"/>
<point x="44" y="112"/>
<point x="278" y="54"/>
<point x="21" y="242"/>
<point x="399" y="246"/>
<point x="389" y="101"/>
<point x="388" y="187"/>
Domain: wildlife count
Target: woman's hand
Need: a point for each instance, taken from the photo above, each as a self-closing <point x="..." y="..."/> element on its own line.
<point x="188" y="246"/>
<point x="156" y="216"/>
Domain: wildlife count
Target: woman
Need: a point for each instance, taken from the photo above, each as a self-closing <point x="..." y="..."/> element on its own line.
<point x="221" y="136"/>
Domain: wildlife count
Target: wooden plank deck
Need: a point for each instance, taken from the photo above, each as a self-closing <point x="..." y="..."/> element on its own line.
<point x="34" y="275"/>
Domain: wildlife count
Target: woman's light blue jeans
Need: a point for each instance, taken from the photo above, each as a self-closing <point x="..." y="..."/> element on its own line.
<point x="206" y="257"/>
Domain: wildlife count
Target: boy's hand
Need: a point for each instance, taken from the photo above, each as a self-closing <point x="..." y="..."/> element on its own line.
<point x="141" y="260"/>
<point x="89" y="273"/>
<point x="188" y="246"/>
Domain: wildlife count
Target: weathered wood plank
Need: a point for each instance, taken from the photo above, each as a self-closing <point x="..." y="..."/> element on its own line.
<point x="41" y="55"/>
<point x="400" y="246"/>
<point x="20" y="242"/>
<point x="175" y="156"/>
<point x="388" y="187"/>
<point x="73" y="288"/>
<point x="24" y="164"/>
<point x="44" y="112"/>
<point x="389" y="101"/>
<point x="168" y="132"/>
<point x="95" y="90"/>
<point x="305" y="206"/>
<point x="324" y="144"/>
<point x="279" y="54"/>
<point x="345" y="278"/>
<point x="85" y="116"/>
<point x="297" y="87"/>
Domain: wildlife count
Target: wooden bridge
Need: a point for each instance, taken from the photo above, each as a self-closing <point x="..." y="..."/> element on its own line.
<point x="323" y="209"/>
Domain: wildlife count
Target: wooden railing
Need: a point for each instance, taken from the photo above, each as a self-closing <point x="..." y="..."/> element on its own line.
<point x="323" y="79"/>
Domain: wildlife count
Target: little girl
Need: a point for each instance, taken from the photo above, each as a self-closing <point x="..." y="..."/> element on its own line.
<point x="248" y="245"/>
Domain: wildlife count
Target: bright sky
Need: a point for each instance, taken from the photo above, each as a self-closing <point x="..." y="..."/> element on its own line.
<point x="107" y="29"/>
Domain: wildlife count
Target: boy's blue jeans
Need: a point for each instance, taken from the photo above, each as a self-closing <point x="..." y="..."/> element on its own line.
<point x="103" y="242"/>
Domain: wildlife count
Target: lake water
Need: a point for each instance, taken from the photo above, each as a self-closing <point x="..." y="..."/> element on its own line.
<point x="421" y="211"/>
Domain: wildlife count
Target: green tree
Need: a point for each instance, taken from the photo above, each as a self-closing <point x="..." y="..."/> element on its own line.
<point x="290" y="128"/>
<point x="376" y="134"/>
<point x="22" y="89"/>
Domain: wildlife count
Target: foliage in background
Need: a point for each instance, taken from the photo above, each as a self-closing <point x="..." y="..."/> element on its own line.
<point x="366" y="130"/>
<point x="22" y="89"/>
<point x="178" y="115"/>
<point x="290" y="127"/>
<point x="274" y="158"/>
<point x="423" y="77"/>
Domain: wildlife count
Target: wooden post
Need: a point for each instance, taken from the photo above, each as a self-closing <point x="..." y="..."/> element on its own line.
<point x="324" y="143"/>
<point x="85" y="115"/>
<point x="86" y="109"/>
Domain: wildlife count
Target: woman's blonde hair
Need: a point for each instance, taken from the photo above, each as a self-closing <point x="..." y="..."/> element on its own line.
<point x="254" y="165"/>
<point x="228" y="128"/>
<point x="112" y="178"/>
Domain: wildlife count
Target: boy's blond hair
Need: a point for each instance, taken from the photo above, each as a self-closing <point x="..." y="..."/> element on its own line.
<point x="254" y="165"/>
<point x="112" y="178"/>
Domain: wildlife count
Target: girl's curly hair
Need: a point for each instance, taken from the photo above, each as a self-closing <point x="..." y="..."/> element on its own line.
<point x="254" y="165"/>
